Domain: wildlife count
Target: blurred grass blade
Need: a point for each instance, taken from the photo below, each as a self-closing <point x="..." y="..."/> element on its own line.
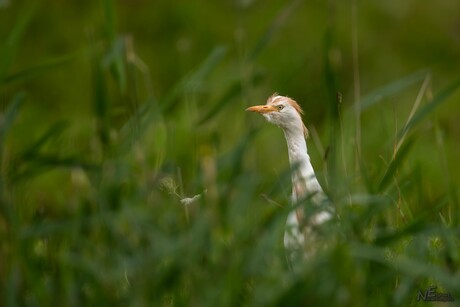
<point x="6" y="122"/>
<point x="153" y="110"/>
<point x="110" y="24"/>
<point x="275" y="26"/>
<point x="424" y="111"/>
<point x="415" y="107"/>
<point x="230" y="163"/>
<point x="10" y="46"/>
<point x="333" y="102"/>
<point x="115" y="61"/>
<point x="391" y="89"/>
<point x="9" y="117"/>
<point x="406" y="265"/>
<point x="235" y="90"/>
<point x="39" y="69"/>
<point x="52" y="161"/>
<point x="412" y="228"/>
<point x="39" y="164"/>
<point x="395" y="163"/>
<point x="100" y="95"/>
<point x="53" y="132"/>
<point x="139" y="121"/>
<point x="447" y="174"/>
<point x="115" y="58"/>
<point x="193" y="80"/>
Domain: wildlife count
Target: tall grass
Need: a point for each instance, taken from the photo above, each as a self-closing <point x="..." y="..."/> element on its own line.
<point x="112" y="229"/>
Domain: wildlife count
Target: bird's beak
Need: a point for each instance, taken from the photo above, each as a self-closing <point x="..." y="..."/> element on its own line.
<point x="261" y="109"/>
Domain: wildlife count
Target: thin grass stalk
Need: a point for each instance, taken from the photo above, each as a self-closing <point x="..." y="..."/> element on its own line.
<point x="415" y="107"/>
<point x="356" y="76"/>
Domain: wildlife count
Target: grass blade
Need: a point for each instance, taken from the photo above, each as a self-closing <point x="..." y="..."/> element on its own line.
<point x="41" y="68"/>
<point x="411" y="267"/>
<point x="275" y="26"/>
<point x="424" y="111"/>
<point x="395" y="163"/>
<point x="9" y="117"/>
<point x="391" y="89"/>
<point x="100" y="93"/>
<point x="193" y="80"/>
<point x="235" y="90"/>
<point x="9" y="48"/>
<point x="53" y="132"/>
<point x="110" y="24"/>
<point x="415" y="107"/>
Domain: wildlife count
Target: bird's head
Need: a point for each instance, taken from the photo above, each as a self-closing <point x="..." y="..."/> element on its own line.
<point x="282" y="111"/>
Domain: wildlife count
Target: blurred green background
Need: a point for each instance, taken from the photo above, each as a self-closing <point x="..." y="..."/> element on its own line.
<point x="113" y="111"/>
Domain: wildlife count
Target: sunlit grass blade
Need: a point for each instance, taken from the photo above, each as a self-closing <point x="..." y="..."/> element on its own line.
<point x="415" y="107"/>
<point x="428" y="108"/>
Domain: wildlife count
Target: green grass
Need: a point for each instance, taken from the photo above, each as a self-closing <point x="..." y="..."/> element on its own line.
<point x="90" y="210"/>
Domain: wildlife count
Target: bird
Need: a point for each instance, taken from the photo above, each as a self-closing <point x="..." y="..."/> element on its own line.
<point x="286" y="113"/>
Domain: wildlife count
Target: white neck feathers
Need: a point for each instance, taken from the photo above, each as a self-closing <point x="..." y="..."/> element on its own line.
<point x="303" y="177"/>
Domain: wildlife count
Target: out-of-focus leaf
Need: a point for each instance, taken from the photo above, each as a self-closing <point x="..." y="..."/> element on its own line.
<point x="395" y="163"/>
<point x="115" y="60"/>
<point x="100" y="94"/>
<point x="194" y="79"/>
<point x="412" y="228"/>
<point x="391" y="89"/>
<point x="39" y="69"/>
<point x="407" y="265"/>
<point x="11" y="44"/>
<point x="52" y="132"/>
<point x="38" y="164"/>
<point x="282" y="18"/>
<point x="110" y="21"/>
<point x="9" y="116"/>
<point x="235" y="90"/>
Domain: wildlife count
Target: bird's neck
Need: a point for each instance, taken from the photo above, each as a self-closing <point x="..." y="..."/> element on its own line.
<point x="303" y="172"/>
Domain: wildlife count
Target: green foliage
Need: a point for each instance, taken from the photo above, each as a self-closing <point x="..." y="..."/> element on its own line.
<point x="131" y="175"/>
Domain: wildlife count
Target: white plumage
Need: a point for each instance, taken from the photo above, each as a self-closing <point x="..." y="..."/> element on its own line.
<point x="286" y="113"/>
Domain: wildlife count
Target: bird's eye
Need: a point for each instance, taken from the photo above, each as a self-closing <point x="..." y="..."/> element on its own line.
<point x="280" y="107"/>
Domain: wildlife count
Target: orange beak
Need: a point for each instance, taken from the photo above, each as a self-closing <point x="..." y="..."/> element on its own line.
<point x="261" y="109"/>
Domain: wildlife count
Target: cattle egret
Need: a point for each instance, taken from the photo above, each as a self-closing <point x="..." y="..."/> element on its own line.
<point x="286" y="114"/>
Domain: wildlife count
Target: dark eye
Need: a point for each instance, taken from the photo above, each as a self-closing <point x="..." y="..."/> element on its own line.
<point x="280" y="107"/>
